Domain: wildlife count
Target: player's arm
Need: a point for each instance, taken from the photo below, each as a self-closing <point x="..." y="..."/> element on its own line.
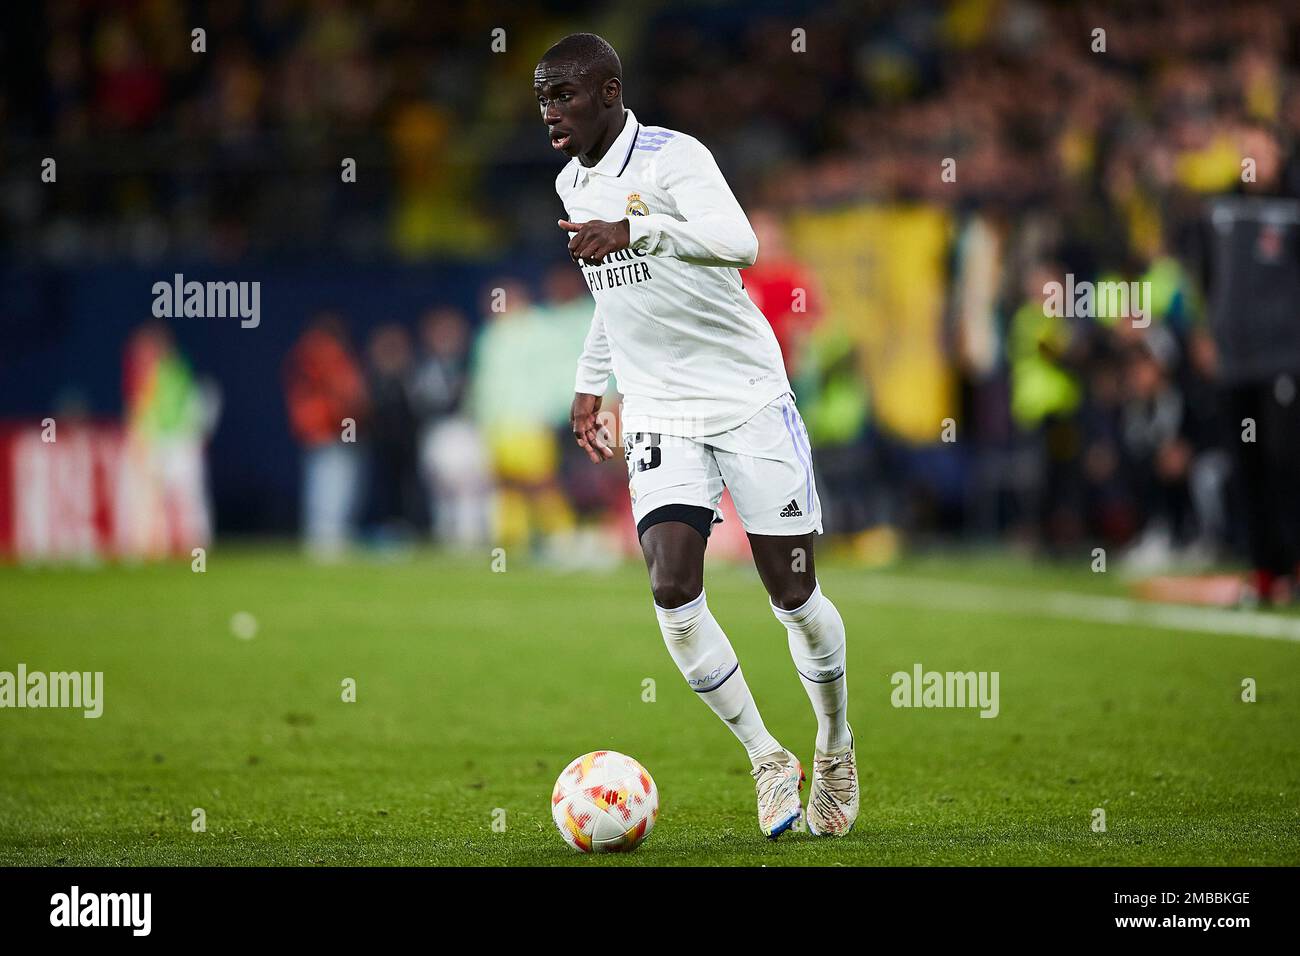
<point x="715" y="231"/>
<point x="594" y="367"/>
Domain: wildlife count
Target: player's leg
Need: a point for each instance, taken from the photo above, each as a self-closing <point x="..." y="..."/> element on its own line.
<point x="814" y="629"/>
<point x="767" y="467"/>
<point x="674" y="552"/>
<point x="676" y="486"/>
<point x="674" y="555"/>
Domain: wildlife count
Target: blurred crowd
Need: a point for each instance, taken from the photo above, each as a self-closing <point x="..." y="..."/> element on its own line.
<point x="456" y="429"/>
<point x="1077" y="110"/>
<point x="1101" y="141"/>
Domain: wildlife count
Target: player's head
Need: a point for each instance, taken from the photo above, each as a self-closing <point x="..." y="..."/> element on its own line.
<point x="579" y="88"/>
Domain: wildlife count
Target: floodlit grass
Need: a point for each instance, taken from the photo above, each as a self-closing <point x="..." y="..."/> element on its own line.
<point x="474" y="689"/>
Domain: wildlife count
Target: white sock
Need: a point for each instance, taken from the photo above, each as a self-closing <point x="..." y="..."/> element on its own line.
<point x="704" y="656"/>
<point x="816" y="633"/>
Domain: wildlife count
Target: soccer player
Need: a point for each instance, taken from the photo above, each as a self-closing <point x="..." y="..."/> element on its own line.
<point x="659" y="238"/>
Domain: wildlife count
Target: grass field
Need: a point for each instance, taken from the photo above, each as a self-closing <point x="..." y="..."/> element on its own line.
<point x="474" y="689"/>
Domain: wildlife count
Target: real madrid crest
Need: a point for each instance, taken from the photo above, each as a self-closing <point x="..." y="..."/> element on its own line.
<point x="635" y="207"/>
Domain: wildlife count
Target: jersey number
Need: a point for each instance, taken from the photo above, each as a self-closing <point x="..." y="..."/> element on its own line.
<point x="649" y="455"/>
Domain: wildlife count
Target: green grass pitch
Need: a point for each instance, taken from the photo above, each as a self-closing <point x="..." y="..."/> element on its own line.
<point x="475" y="688"/>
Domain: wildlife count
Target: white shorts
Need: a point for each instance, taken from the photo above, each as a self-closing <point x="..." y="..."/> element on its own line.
<point x="765" y="463"/>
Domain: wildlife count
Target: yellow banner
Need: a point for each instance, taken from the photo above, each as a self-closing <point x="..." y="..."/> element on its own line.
<point x="882" y="272"/>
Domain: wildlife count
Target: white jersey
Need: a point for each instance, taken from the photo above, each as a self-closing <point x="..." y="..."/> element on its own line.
<point x="692" y="353"/>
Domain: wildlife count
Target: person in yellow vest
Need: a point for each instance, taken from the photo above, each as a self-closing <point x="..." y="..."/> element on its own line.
<point x="1043" y="352"/>
<point x="165" y="507"/>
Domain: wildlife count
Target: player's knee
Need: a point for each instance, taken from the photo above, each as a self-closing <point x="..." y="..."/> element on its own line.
<point x="793" y="593"/>
<point x="674" y="589"/>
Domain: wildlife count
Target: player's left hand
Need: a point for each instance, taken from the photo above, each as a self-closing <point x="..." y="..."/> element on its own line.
<point x="593" y="241"/>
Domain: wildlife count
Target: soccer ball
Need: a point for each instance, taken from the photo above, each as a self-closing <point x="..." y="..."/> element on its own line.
<point x="604" y="802"/>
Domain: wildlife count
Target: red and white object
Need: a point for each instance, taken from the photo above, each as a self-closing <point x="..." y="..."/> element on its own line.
<point x="604" y="802"/>
<point x="92" y="491"/>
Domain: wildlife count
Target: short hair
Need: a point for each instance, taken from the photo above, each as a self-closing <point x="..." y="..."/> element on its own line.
<point x="589" y="54"/>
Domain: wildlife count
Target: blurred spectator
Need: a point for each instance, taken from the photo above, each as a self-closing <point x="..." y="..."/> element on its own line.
<point x="453" y="460"/>
<point x="835" y="409"/>
<point x="1111" y="511"/>
<point x="508" y="397"/>
<point x="781" y="287"/>
<point x="560" y="322"/>
<point x="1252" y="262"/>
<point x="328" y="403"/>
<point x="594" y="494"/>
<point x="1154" y="426"/>
<point x="398" y="506"/>
<point x="168" y="418"/>
<point x="1211" y="467"/>
<point x="1045" y="396"/>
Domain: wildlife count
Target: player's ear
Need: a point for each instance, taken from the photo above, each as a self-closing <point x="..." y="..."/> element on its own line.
<point x="612" y="91"/>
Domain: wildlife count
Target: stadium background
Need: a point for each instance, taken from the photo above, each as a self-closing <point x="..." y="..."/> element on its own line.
<point x="225" y="165"/>
<point x="923" y="303"/>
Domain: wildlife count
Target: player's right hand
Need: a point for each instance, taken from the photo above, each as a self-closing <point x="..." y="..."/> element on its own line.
<point x="587" y="429"/>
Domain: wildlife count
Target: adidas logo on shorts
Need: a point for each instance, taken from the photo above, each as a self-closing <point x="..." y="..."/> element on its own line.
<point x="791" y="510"/>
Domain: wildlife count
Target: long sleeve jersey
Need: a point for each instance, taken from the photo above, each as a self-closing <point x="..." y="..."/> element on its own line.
<point x="692" y="354"/>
